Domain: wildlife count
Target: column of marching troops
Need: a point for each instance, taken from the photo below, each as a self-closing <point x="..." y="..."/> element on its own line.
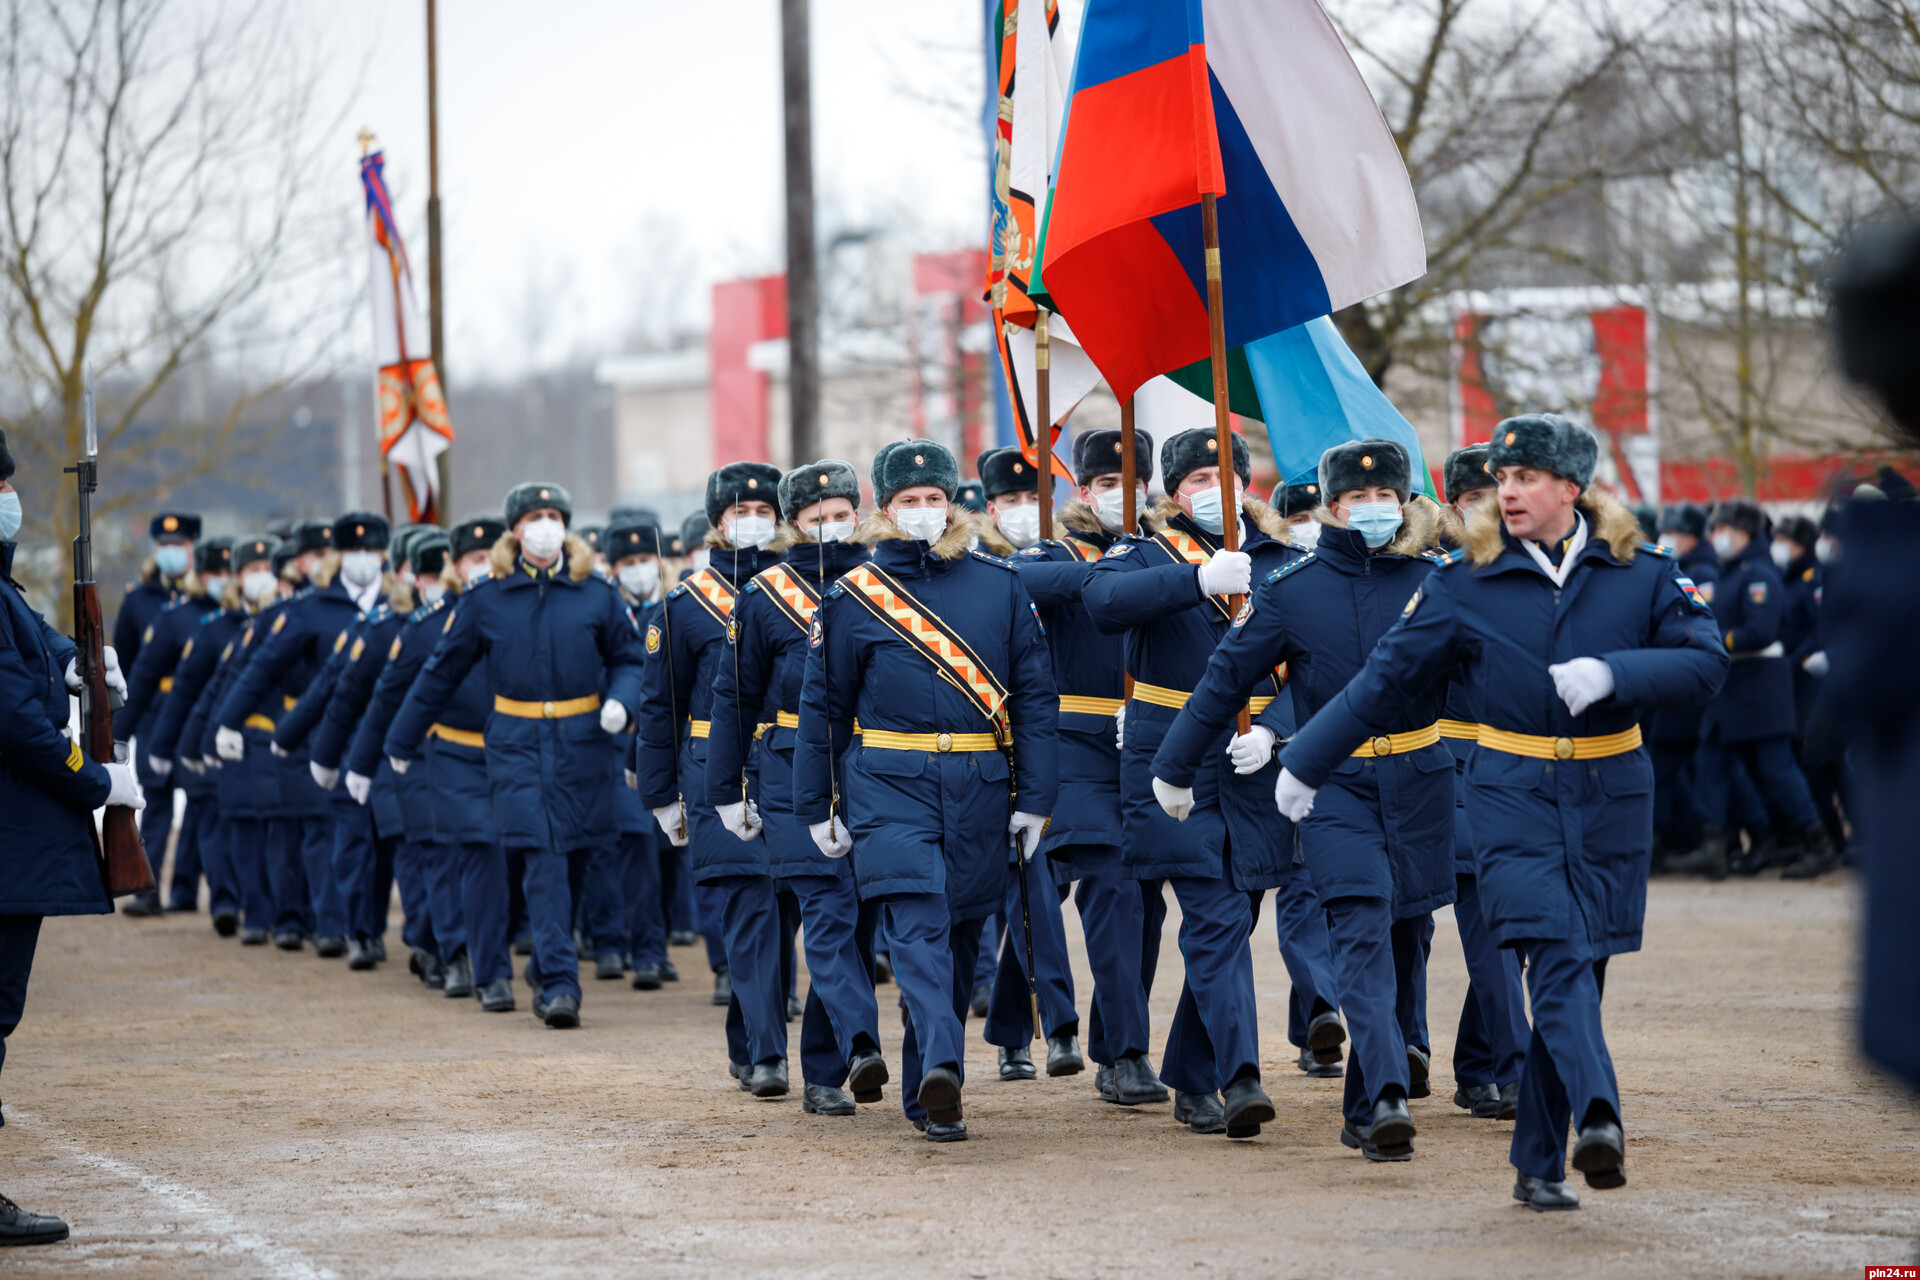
<point x="905" y="735"/>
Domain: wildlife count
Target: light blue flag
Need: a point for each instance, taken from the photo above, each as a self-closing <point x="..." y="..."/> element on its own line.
<point x="1314" y="394"/>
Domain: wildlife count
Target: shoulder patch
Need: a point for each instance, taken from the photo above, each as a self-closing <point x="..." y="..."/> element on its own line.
<point x="1413" y="602"/>
<point x="339" y="641"/>
<point x="1036" y="617"/>
<point x="815" y="633"/>
<point x="1655" y="549"/>
<point x="146" y="637"/>
<point x="186" y="650"/>
<point x="1035" y="552"/>
<point x="1117" y="550"/>
<point x="1757" y="592"/>
<point x="1246" y="611"/>
<point x="1694" y="595"/>
<point x="393" y="650"/>
<point x="450" y="617"/>
<point x="1291" y="567"/>
<point x="227" y="652"/>
<point x="359" y="647"/>
<point x="653" y="638"/>
<point x="278" y="623"/>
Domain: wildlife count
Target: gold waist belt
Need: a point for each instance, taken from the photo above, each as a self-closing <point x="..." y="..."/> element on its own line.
<point x="1463" y="729"/>
<point x="1177" y="698"/>
<point x="940" y="742"/>
<point x="547" y="710"/>
<point x="1394" y="744"/>
<point x="786" y="720"/>
<point x="464" y="737"/>
<point x="701" y="728"/>
<point x="257" y="721"/>
<point x="1073" y="702"/>
<point x="1541" y="747"/>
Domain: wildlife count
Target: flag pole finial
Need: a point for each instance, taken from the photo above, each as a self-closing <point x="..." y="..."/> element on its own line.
<point x="366" y="141"/>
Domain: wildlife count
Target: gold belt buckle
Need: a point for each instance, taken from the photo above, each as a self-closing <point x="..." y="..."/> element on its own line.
<point x="1383" y="745"/>
<point x="546" y="710"/>
<point x="1563" y="748"/>
<point x="943" y="742"/>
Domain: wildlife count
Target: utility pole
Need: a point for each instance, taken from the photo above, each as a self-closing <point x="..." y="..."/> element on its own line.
<point x="434" y="308"/>
<point x="803" y="277"/>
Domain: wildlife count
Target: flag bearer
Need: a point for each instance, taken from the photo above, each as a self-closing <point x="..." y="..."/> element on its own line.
<point x="743" y="510"/>
<point x="563" y="667"/>
<point x="757" y="683"/>
<point x="1564" y="628"/>
<point x="938" y="653"/>
<point x="1082" y="846"/>
<point x="1167" y="594"/>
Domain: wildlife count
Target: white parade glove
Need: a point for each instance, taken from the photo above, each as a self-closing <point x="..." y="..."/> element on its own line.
<point x="193" y="766"/>
<point x="326" y="777"/>
<point x="1229" y="573"/>
<point x="613" y="716"/>
<point x="831" y="837"/>
<point x="211" y="762"/>
<point x="1177" y="801"/>
<point x="359" y="786"/>
<point x="1816" y="664"/>
<point x="1250" y="751"/>
<point x="399" y="765"/>
<point x="228" y="744"/>
<point x="1120" y="727"/>
<point x="1294" y="797"/>
<point x="633" y="780"/>
<point x="159" y="766"/>
<point x="279" y="752"/>
<point x="1582" y="682"/>
<point x="742" y="817"/>
<point x="115" y="680"/>
<point x="1026" y="830"/>
<point x="74" y="684"/>
<point x="124" y="792"/>
<point x="673" y="821"/>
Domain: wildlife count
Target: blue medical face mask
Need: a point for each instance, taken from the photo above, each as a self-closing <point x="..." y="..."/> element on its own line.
<point x="1206" y="509"/>
<point x="172" y="559"/>
<point x="1377" y="522"/>
<point x="10" y="516"/>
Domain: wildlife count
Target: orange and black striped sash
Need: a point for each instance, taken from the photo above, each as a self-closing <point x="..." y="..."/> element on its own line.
<point x="924" y="631"/>
<point x="1184" y="546"/>
<point x="790" y="594"/>
<point x="713" y="593"/>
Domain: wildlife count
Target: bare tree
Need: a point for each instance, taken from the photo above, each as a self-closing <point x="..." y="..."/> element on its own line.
<point x="159" y="168"/>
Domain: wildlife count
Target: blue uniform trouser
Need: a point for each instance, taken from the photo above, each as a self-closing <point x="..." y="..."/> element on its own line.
<point x="293" y="897"/>
<point x="1307" y="951"/>
<point x="1153" y="896"/>
<point x="750" y="916"/>
<point x="18" y="936"/>
<point x="156" y="821"/>
<point x="552" y="885"/>
<point x="1675" y="813"/>
<point x="183" y="891"/>
<point x="676" y="886"/>
<point x="246" y="840"/>
<point x="1770" y="764"/>
<point x="216" y="856"/>
<point x="603" y="903"/>
<point x="1568" y="1067"/>
<point x="838" y="928"/>
<point x="986" y="961"/>
<point x="933" y="961"/>
<point x="355" y="869"/>
<point x="710" y="920"/>
<point x="1412" y="944"/>
<point x="419" y="927"/>
<point x="1491" y="1045"/>
<point x="438" y="868"/>
<point x="1009" y="1012"/>
<point x="326" y="896"/>
<point x="484" y="909"/>
<point x="1364" y="953"/>
<point x="646" y="923"/>
<point x="1113" y="917"/>
<point x="1214" y="1038"/>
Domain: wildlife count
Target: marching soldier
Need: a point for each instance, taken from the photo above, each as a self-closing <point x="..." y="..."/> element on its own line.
<point x="635" y="551"/>
<point x="1564" y="628"/>
<point x="757" y="684"/>
<point x="938" y="653"/>
<point x="1082" y="846"/>
<point x="1797" y="548"/>
<point x="564" y="669"/>
<point x="684" y="651"/>
<point x="1218" y="846"/>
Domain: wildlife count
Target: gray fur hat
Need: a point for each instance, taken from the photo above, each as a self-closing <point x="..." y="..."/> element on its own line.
<point x="535" y="494"/>
<point x="972" y="495"/>
<point x="906" y="464"/>
<point x="476" y="533"/>
<point x="743" y="482"/>
<point x="1187" y="451"/>
<point x="258" y="546"/>
<point x="427" y="552"/>
<point x="1097" y="453"/>
<point x="1466" y="470"/>
<point x="213" y="555"/>
<point x="1295" y="498"/>
<point x="360" y="531"/>
<point x="1006" y="470"/>
<point x="312" y="535"/>
<point x="639" y="535"/>
<point x="816" y="482"/>
<point x="1545" y="441"/>
<point x="693" y="532"/>
<point x="1738" y="513"/>
<point x="1360" y="464"/>
<point x="1684" y="517"/>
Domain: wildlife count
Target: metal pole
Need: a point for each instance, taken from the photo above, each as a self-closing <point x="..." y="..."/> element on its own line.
<point x="1222" y="431"/>
<point x="1129" y="505"/>
<point x="803" y="279"/>
<point x="1043" y="422"/>
<point x="434" y="308"/>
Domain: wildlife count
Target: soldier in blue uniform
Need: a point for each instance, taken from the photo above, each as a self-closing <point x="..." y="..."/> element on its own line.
<point x="1565" y="628"/>
<point x="1012" y="525"/>
<point x="1674" y="732"/>
<point x="1379" y="847"/>
<point x="1750" y="725"/>
<point x="671" y="752"/>
<point x="756" y="685"/>
<point x="563" y="668"/>
<point x="938" y="653"/>
<point x="1796" y="543"/>
<point x="1217" y="844"/>
<point x="48" y="791"/>
<point x="1082" y="845"/>
<point x="635" y="554"/>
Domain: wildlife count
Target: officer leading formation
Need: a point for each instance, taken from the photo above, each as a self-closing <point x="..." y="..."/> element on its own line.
<point x="880" y="713"/>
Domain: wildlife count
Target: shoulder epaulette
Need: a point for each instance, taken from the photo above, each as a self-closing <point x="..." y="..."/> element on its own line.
<point x="1442" y="559"/>
<point x="993" y="560"/>
<point x="1291" y="566"/>
<point x="1658" y="550"/>
<point x="753" y="584"/>
<point x="837" y="589"/>
<point x="206" y="618"/>
<point x="424" y="611"/>
<point x="302" y="594"/>
<point x="677" y="591"/>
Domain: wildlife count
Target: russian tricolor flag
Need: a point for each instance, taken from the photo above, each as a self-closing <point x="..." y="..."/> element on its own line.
<point x="1256" y="102"/>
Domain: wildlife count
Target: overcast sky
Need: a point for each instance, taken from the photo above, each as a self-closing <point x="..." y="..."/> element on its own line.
<point x="573" y="136"/>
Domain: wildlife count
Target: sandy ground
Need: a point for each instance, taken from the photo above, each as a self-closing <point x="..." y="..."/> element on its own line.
<point x="197" y="1110"/>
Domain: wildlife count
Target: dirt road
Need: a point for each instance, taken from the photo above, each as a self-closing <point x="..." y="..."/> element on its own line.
<point x="197" y="1110"/>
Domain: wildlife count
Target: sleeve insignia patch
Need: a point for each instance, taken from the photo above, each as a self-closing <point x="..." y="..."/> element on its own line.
<point x="359" y="647"/>
<point x="451" y="613"/>
<point x="1693" y="593"/>
<point x="1757" y="592"/>
<point x="1706" y="589"/>
<point x="393" y="650"/>
<point x="1413" y="602"/>
<point x="278" y="623"/>
<point x="815" y="634"/>
<point x="146" y="637"/>
<point x="1117" y="550"/>
<point x="1246" y="611"/>
<point x="186" y="651"/>
<point x="339" y="641"/>
<point x="653" y="638"/>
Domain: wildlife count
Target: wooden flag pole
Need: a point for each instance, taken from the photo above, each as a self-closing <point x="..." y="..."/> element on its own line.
<point x="1043" y="423"/>
<point x="1129" y="504"/>
<point x="386" y="491"/>
<point x="1222" y="431"/>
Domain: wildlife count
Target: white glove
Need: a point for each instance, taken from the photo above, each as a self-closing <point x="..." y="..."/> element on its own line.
<point x="279" y="752"/>
<point x="1120" y="727"/>
<point x="115" y="680"/>
<point x="1582" y="682"/>
<point x="159" y="766"/>
<point x="831" y="837"/>
<point x="211" y="762"/>
<point x="1026" y="829"/>
<point x="399" y="765"/>
<point x="673" y="821"/>
<point x="124" y="792"/>
<point x="74" y="684"/>
<point x="1229" y="573"/>
<point x="633" y="780"/>
<point x="1250" y="751"/>
<point x="359" y="786"/>
<point x="326" y="777"/>
<point x="193" y="766"/>
<point x="742" y="817"/>
<point x="1294" y="797"/>
<point x="613" y="716"/>
<point x="1816" y="664"/>
<point x="228" y="744"/>
<point x="1177" y="801"/>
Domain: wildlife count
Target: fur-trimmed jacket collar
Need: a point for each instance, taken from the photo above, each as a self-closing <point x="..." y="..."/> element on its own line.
<point x="1608" y="519"/>
<point x="579" y="556"/>
<point x="1420" y="524"/>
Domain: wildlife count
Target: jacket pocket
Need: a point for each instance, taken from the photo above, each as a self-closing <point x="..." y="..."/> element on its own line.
<point x="991" y="764"/>
<point x="887" y="763"/>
